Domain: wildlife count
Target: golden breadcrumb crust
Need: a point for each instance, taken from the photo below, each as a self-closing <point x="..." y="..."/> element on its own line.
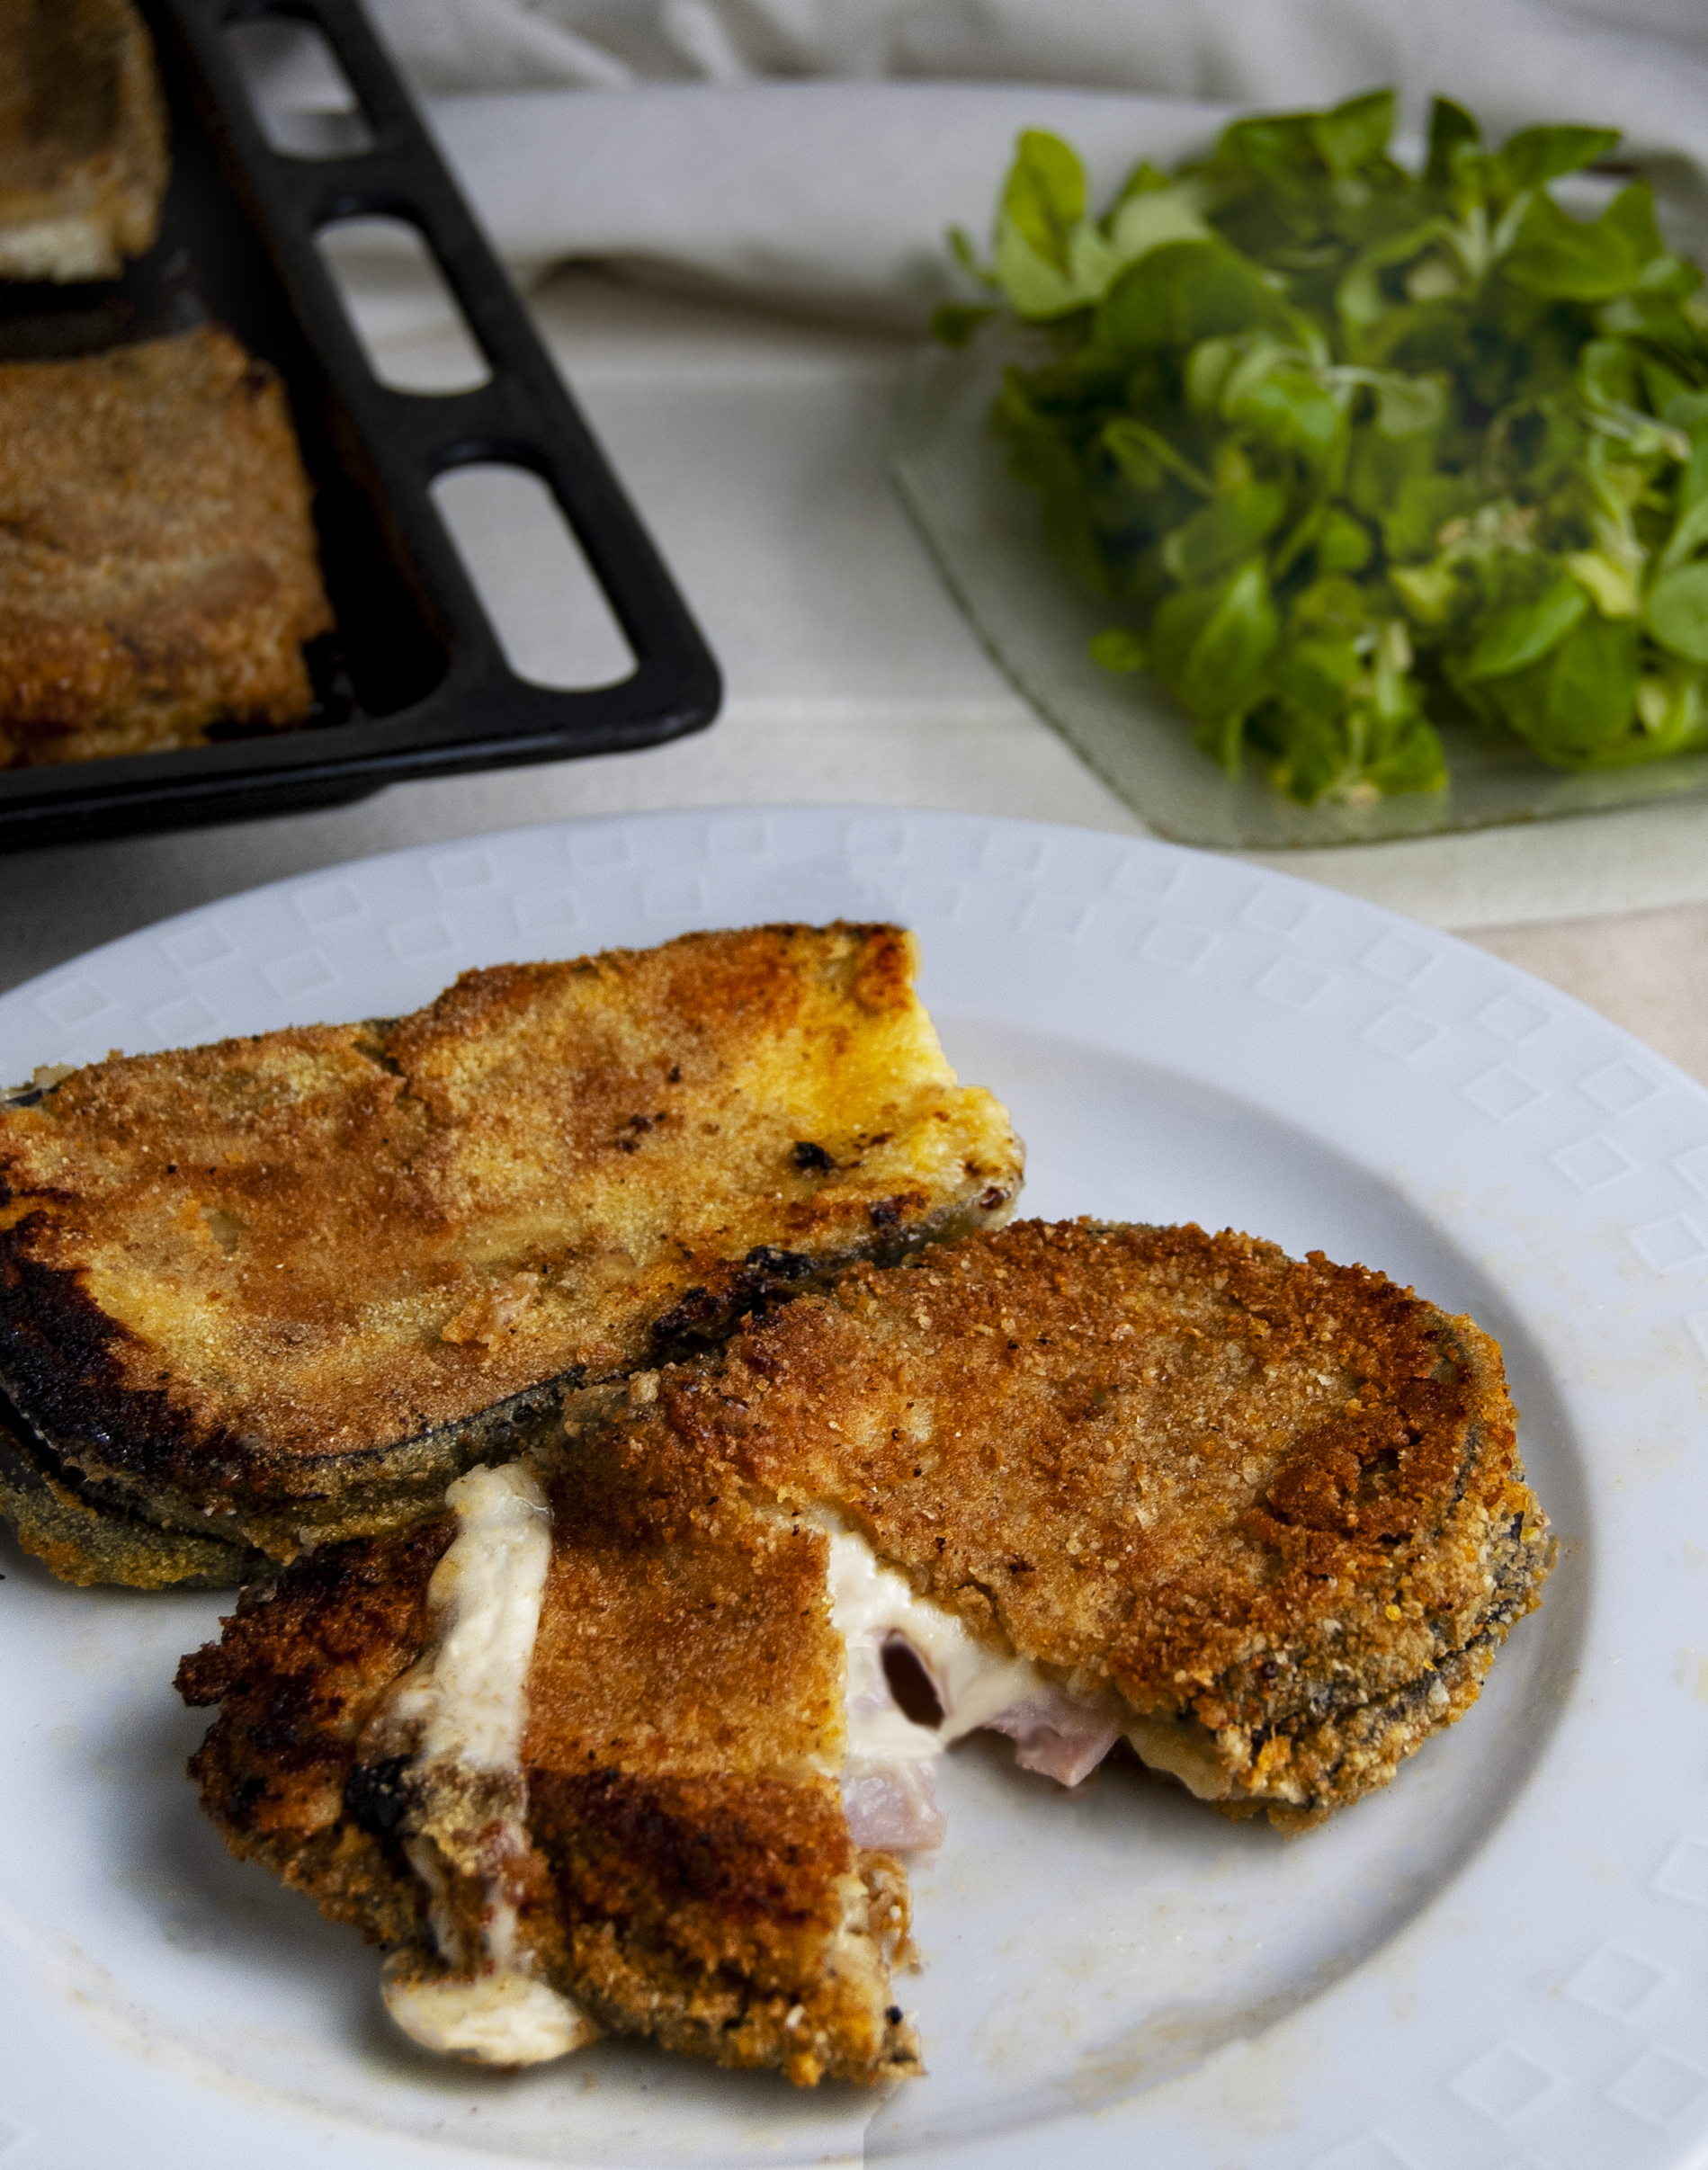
<point x="692" y="1877"/>
<point x="287" y="1287"/>
<point x="82" y="139"/>
<point x="158" y="569"/>
<point x="1275" y="1503"/>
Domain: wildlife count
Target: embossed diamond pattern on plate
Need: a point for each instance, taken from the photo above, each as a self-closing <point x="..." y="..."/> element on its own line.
<point x="73" y="1002"/>
<point x="1684" y="1874"/>
<point x="185" y="1019"/>
<point x="1369" y="2151"/>
<point x="1593" y="1162"/>
<point x="413" y="938"/>
<point x="1621" y="1086"/>
<point x="1670" y="1244"/>
<point x="1505" y="2083"/>
<point x="197" y="948"/>
<point x="298" y="973"/>
<point x="1503" y="1092"/>
<point x="1294" y="985"/>
<point x="1394" y="957"/>
<point x="1660" y="2087"/>
<point x="1513" y="1017"/>
<point x="1402" y="1034"/>
<point x="1616" y="1982"/>
<point x="327" y="904"/>
<point x="1172" y="943"/>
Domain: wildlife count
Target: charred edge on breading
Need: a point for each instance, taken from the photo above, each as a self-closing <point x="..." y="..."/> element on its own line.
<point x="127" y="1451"/>
<point x="1517" y="1563"/>
<point x="1258" y="1677"/>
<point x="83" y="1541"/>
<point x="704" y="1317"/>
<point x="294" y="1715"/>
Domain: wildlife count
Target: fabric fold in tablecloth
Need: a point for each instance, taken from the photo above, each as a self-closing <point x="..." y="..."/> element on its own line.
<point x="813" y="151"/>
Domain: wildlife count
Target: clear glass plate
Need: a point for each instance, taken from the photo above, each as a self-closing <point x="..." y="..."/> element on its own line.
<point x="981" y="527"/>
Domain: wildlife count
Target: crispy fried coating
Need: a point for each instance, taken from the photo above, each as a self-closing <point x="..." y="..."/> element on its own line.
<point x="286" y="1288"/>
<point x="82" y="139"/>
<point x="1275" y="1506"/>
<point x="1275" y="1503"/>
<point x="159" y="568"/>
<point x="691" y="1875"/>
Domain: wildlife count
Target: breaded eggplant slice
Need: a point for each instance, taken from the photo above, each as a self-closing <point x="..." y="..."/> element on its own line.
<point x="659" y="1847"/>
<point x="82" y="139"/>
<point x="1275" y="1506"/>
<point x="280" y="1290"/>
<point x="160" y="566"/>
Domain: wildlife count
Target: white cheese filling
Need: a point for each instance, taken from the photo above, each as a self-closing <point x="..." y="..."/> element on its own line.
<point x="460" y="1712"/>
<point x="869" y="1603"/>
<point x="505" y="2018"/>
<point x="887" y="1782"/>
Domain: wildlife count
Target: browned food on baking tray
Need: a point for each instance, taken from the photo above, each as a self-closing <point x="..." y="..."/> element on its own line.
<point x="1275" y="1506"/>
<point x="82" y="139"/>
<point x="678" y="1863"/>
<point x="281" y="1290"/>
<point x="159" y="568"/>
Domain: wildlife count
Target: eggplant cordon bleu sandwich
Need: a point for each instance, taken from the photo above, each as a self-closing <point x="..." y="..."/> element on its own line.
<point x="282" y="1291"/>
<point x="631" y="1736"/>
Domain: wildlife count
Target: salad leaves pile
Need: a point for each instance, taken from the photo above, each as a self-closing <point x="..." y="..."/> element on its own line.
<point x="1360" y="452"/>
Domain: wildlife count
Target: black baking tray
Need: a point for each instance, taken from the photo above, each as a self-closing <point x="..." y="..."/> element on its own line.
<point x="415" y="681"/>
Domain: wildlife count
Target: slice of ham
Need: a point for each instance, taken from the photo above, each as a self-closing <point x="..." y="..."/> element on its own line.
<point x="1058" y="1734"/>
<point x="891" y="1802"/>
<point x="892" y="1743"/>
<point x="892" y="1807"/>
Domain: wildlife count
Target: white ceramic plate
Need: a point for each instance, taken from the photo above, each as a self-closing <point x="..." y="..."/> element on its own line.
<point x="1499" y="1962"/>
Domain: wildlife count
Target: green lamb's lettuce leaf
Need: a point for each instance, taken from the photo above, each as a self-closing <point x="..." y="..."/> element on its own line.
<point x="1454" y="136"/>
<point x="1524" y="631"/>
<point x="1577" y="705"/>
<point x="1185" y="292"/>
<point x="1045" y="199"/>
<point x="1356" y="448"/>
<point x="1355" y="134"/>
<point x="1678" y="612"/>
<point x="1224" y="533"/>
<point x="1050" y="258"/>
<point x="1538" y="154"/>
<point x="1118" y="649"/>
<point x="1568" y="259"/>
<point x="1290" y="409"/>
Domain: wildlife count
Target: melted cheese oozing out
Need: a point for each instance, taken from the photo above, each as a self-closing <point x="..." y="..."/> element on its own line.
<point x="869" y="1603"/>
<point x="886" y="1781"/>
<point x="464" y="1706"/>
<point x="506" y="2018"/>
<point x="465" y="1699"/>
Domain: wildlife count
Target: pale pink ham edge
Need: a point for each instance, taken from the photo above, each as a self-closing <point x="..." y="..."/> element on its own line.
<point x="892" y="1807"/>
<point x="1057" y="1734"/>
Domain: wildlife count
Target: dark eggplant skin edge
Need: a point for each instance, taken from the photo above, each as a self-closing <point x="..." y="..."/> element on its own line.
<point x="136" y="1489"/>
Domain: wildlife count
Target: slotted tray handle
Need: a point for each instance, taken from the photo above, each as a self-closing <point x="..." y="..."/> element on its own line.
<point x="522" y="417"/>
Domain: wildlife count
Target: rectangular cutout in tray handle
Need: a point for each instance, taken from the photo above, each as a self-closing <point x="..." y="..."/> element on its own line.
<point x="392" y="444"/>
